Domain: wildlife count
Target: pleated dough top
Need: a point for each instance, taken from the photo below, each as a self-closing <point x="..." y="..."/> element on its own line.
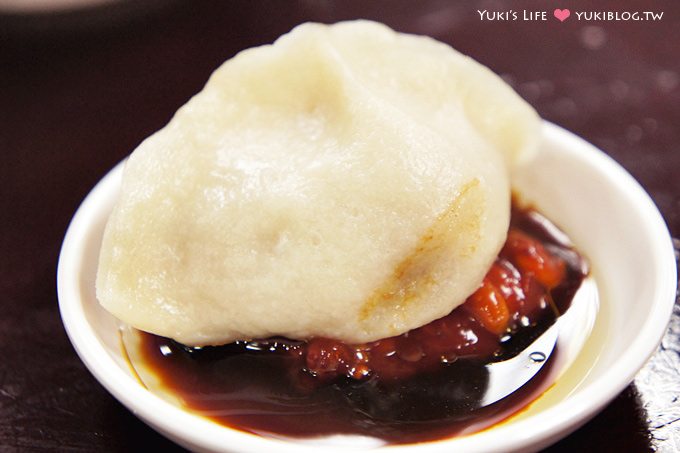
<point x="346" y="181"/>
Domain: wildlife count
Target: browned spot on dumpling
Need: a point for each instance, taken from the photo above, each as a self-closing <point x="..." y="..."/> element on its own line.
<point x="419" y="271"/>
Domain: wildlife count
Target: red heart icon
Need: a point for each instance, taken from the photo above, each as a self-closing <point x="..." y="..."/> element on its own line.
<point x="562" y="14"/>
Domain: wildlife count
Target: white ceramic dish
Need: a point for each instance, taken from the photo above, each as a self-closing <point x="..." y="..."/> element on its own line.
<point x="601" y="207"/>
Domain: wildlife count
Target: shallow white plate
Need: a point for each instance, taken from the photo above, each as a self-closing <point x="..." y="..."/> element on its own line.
<point x="600" y="206"/>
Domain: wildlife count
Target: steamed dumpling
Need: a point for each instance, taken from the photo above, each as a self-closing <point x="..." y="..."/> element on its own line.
<point x="347" y="181"/>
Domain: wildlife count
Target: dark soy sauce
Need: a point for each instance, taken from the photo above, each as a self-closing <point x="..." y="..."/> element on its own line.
<point x="261" y="387"/>
<point x="253" y="392"/>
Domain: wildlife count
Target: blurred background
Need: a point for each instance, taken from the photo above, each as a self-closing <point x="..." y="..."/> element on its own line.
<point x="82" y="82"/>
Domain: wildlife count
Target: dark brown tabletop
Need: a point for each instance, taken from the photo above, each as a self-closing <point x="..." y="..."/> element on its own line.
<point x="79" y="90"/>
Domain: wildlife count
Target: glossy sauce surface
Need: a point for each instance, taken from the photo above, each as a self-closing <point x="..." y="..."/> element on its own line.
<point x="423" y="385"/>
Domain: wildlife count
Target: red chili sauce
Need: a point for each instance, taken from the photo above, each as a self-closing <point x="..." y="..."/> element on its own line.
<point x="423" y="385"/>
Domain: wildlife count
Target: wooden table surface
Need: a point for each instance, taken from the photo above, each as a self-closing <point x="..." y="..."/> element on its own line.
<point x="79" y="90"/>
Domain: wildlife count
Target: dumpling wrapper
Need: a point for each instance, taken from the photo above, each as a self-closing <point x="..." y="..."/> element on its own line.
<point x="347" y="181"/>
